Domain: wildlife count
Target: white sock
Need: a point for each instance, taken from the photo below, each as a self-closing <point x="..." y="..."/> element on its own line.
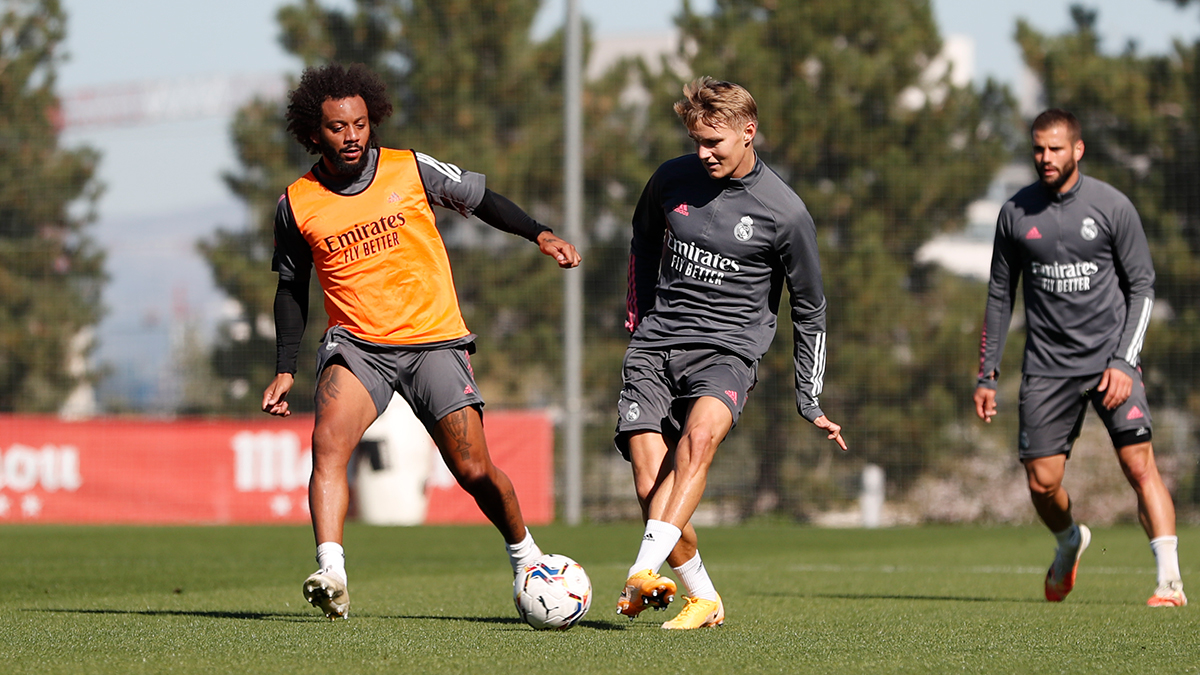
<point x="695" y="579"/>
<point x="523" y="552"/>
<point x="657" y="541"/>
<point x="1166" y="554"/>
<point x="332" y="557"/>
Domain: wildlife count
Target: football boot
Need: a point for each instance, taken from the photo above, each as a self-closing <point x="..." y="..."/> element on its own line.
<point x="328" y="591"/>
<point x="645" y="589"/>
<point x="698" y="613"/>
<point x="1060" y="578"/>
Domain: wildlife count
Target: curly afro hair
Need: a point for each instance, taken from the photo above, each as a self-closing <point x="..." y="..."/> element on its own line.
<point x="334" y="82"/>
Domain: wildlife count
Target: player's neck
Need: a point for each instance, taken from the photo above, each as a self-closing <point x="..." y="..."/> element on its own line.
<point x="746" y="166"/>
<point x="1069" y="183"/>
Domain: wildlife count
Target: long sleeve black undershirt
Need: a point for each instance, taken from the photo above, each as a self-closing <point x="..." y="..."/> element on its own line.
<point x="501" y="213"/>
<point x="291" y="316"/>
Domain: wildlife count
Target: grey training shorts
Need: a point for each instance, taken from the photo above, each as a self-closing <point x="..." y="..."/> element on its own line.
<point x="1053" y="408"/>
<point x="435" y="382"/>
<point x="660" y="383"/>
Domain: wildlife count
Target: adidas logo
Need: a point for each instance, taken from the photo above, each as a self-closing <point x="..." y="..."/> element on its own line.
<point x="393" y="198"/>
<point x="468" y="390"/>
<point x="1135" y="414"/>
<point x="733" y="395"/>
<point x="649" y="536"/>
<point x="681" y="209"/>
<point x="1033" y="234"/>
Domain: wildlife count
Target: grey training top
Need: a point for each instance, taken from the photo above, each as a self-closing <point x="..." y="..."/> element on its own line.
<point x="1089" y="281"/>
<point x="708" y="261"/>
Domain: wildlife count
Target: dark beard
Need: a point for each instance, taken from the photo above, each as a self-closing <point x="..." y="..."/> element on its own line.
<point x="1063" y="176"/>
<point x="341" y="167"/>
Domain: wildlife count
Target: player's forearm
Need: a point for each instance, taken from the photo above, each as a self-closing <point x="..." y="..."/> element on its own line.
<point x="809" y="361"/>
<point x="501" y="213"/>
<point x="643" y="286"/>
<point x="991" y="340"/>
<point x="291" y="316"/>
<point x="1137" y="323"/>
<point x="1137" y="270"/>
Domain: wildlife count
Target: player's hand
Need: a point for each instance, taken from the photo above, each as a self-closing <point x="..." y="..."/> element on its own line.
<point x="275" y="397"/>
<point x="985" y="403"/>
<point x="835" y="430"/>
<point x="560" y="250"/>
<point x="1117" y="386"/>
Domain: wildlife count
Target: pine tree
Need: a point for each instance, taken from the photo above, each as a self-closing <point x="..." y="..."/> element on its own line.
<point x="50" y="270"/>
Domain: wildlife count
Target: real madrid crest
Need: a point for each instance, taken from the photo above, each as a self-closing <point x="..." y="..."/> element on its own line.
<point x="634" y="412"/>
<point x="744" y="229"/>
<point x="1089" y="229"/>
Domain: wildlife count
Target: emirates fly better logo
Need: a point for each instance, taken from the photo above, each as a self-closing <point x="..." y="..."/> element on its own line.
<point x="695" y="262"/>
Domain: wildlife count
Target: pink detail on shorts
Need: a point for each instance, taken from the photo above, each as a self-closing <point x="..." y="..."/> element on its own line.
<point x="681" y="209"/>
<point x="1033" y="234"/>
<point x="732" y="395"/>
<point x="1135" y="414"/>
<point x="468" y="390"/>
<point x="470" y="368"/>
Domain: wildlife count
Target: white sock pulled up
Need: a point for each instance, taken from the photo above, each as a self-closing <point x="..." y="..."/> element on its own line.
<point x="695" y="579"/>
<point x="1166" y="556"/>
<point x="331" y="556"/>
<point x="657" y="541"/>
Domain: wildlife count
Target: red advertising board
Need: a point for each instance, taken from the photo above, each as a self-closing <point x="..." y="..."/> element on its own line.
<point x="213" y="472"/>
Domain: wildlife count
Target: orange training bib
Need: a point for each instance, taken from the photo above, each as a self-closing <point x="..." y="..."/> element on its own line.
<point x="379" y="256"/>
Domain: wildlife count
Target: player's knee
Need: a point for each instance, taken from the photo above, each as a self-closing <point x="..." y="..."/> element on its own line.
<point x="473" y="475"/>
<point x="1139" y="465"/>
<point x="330" y="450"/>
<point x="645" y="487"/>
<point x="699" y="446"/>
<point x="1043" y="484"/>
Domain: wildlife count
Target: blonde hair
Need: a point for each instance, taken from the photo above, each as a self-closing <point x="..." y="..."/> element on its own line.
<point x="713" y="102"/>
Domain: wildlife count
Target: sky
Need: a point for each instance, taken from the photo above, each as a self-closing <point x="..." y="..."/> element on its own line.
<point x="163" y="189"/>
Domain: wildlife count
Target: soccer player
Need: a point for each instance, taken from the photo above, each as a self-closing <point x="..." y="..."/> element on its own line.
<point x="715" y="235"/>
<point x="363" y="218"/>
<point x="1088" y="290"/>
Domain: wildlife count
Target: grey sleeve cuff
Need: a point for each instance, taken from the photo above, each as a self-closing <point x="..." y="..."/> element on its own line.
<point x="1123" y="366"/>
<point x="812" y="412"/>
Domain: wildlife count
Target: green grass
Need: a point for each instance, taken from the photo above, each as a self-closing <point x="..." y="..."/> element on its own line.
<point x="437" y="600"/>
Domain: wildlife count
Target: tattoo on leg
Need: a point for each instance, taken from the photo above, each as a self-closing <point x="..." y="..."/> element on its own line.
<point x="455" y="426"/>
<point x="327" y="388"/>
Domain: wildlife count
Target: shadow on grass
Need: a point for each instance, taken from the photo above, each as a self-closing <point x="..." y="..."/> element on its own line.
<point x="595" y="625"/>
<point x="933" y="598"/>
<point x="210" y="614"/>
<point x="308" y="617"/>
<point x="911" y="596"/>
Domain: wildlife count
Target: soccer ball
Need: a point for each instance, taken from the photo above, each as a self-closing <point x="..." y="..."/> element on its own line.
<point x="552" y="592"/>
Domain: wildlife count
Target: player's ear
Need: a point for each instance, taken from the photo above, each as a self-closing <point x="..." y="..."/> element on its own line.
<point x="1078" y="150"/>
<point x="749" y="131"/>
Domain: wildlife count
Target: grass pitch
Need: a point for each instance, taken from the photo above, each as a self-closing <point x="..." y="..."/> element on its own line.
<point x="438" y="600"/>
